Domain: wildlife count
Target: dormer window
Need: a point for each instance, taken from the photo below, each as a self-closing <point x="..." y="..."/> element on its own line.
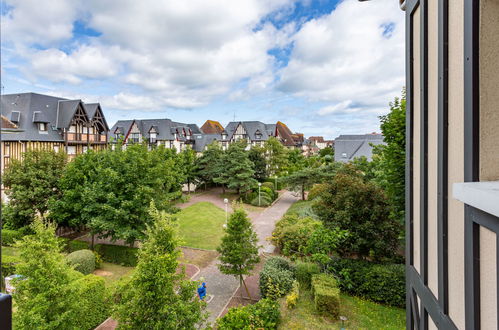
<point x="344" y="155"/>
<point x="224" y="136"/>
<point x="152" y="137"/>
<point x="258" y="135"/>
<point x="42" y="127"/>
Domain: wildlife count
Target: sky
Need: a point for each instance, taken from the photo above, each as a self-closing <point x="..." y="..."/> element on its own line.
<point x="322" y="67"/>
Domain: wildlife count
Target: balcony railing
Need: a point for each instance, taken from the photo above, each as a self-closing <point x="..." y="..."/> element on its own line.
<point x="85" y="138"/>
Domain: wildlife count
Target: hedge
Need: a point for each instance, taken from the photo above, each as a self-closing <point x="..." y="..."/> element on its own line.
<point x="116" y="254"/>
<point x="263" y="200"/>
<point x="9" y="265"/>
<point x="276" y="278"/>
<point x="82" y="261"/>
<point x="265" y="314"/>
<point x="69" y="245"/>
<point x="92" y="305"/>
<point x="382" y="283"/>
<point x="10" y="236"/>
<point x="326" y="294"/>
<point x="279" y="183"/>
<point x="292" y="233"/>
<point x="304" y="272"/>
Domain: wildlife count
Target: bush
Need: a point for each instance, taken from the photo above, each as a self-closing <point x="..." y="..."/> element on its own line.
<point x="264" y="314"/>
<point x="291" y="234"/>
<point x="292" y="298"/>
<point x="304" y="272"/>
<point x="264" y="200"/>
<point x="272" y="181"/>
<point x="382" y="283"/>
<point x="276" y="278"/>
<point x="316" y="191"/>
<point x="98" y="260"/>
<point x="268" y="191"/>
<point x="9" y="265"/>
<point x="10" y="236"/>
<point x="82" y="261"/>
<point x="121" y="255"/>
<point x="269" y="185"/>
<point x="69" y="245"/>
<point x="326" y="294"/>
<point x="92" y="307"/>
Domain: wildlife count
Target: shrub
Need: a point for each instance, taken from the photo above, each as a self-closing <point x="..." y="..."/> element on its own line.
<point x="69" y="245"/>
<point x="98" y="260"/>
<point x="9" y="265"/>
<point x="292" y="297"/>
<point x="121" y="255"/>
<point x="304" y="272"/>
<point x="264" y="200"/>
<point x="92" y="307"/>
<point x="292" y="233"/>
<point x="279" y="183"/>
<point x="326" y="294"/>
<point x="268" y="191"/>
<point x="264" y="314"/>
<point x="9" y="236"/>
<point x="82" y="261"/>
<point x="316" y="191"/>
<point x="276" y="278"/>
<point x="382" y="283"/>
<point x="269" y="185"/>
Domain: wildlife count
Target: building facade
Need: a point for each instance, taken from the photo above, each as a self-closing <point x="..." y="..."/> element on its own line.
<point x="349" y="147"/>
<point x="452" y="213"/>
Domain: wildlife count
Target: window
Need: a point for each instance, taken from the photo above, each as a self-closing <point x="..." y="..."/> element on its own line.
<point x="71" y="150"/>
<point x="135" y="137"/>
<point x="152" y="138"/>
<point x="56" y="148"/>
<point x="42" y="127"/>
<point x="258" y="136"/>
<point x="72" y="129"/>
<point x="344" y="155"/>
<point x="7" y="150"/>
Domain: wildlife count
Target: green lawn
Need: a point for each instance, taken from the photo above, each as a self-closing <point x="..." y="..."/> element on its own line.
<point x="9" y="251"/>
<point x="361" y="314"/>
<point x="112" y="272"/>
<point x="201" y="225"/>
<point x="302" y="209"/>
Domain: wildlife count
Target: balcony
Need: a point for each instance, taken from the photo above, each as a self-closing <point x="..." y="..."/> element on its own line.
<point x="84" y="138"/>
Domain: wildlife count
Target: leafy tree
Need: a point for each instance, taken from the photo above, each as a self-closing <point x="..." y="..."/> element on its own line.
<point x="110" y="191"/>
<point x="390" y="160"/>
<point x="156" y="296"/>
<point x="295" y="161"/>
<point x="276" y="157"/>
<point x="209" y="163"/>
<point x="30" y="183"/>
<point x="49" y="296"/>
<point x="257" y="156"/>
<point x="239" y="249"/>
<point x="368" y="169"/>
<point x="350" y="203"/>
<point x="237" y="170"/>
<point x="328" y="151"/>
<point x="189" y="166"/>
<point x="304" y="179"/>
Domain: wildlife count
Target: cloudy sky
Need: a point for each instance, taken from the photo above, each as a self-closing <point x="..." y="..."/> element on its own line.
<point x="323" y="67"/>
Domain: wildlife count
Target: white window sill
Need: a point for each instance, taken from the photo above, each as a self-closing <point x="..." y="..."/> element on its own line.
<point x="481" y="195"/>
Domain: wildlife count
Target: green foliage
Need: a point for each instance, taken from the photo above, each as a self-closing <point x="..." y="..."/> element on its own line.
<point x="9" y="265"/>
<point x="50" y="294"/>
<point x="295" y="161"/>
<point x="239" y="247"/>
<point x="324" y="241"/>
<point x="316" y="191"/>
<point x="304" y="272"/>
<point x="82" y="261"/>
<point x="291" y="234"/>
<point x="109" y="191"/>
<point x="304" y="179"/>
<point x="10" y="236"/>
<point x="264" y="200"/>
<point x="98" y="260"/>
<point x="390" y="158"/>
<point x="209" y="164"/>
<point x="155" y="296"/>
<point x="302" y="209"/>
<point x="264" y="314"/>
<point x="276" y="183"/>
<point x="276" y="157"/>
<point x="257" y="156"/>
<point x="382" y="283"/>
<point x="237" y="169"/>
<point x="30" y="183"/>
<point x="276" y="278"/>
<point x="361" y="208"/>
<point x="189" y="166"/>
<point x="269" y="185"/>
<point x="328" y="151"/>
<point x="292" y="297"/>
<point x="326" y="294"/>
<point x="69" y="245"/>
<point x="116" y="254"/>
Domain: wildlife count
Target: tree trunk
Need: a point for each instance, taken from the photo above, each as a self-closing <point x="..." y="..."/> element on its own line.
<point x="92" y="243"/>
<point x="302" y="192"/>
<point x="223" y="188"/>
<point x="245" y="287"/>
<point x="188" y="186"/>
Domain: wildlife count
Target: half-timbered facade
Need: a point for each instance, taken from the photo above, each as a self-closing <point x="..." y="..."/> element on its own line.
<point x="35" y="121"/>
<point x="452" y="213"/>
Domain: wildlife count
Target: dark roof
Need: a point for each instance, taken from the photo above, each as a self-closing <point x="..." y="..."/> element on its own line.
<point x="40" y="117"/>
<point x="348" y="147"/>
<point x="165" y="128"/>
<point x="202" y="140"/>
<point x="251" y="127"/>
<point x="65" y="112"/>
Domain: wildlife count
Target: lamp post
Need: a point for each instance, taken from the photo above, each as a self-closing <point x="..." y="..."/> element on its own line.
<point x="275" y="183"/>
<point x="226" y="202"/>
<point x="259" y="195"/>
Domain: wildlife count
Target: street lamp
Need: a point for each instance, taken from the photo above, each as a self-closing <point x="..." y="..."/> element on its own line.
<point x="226" y="202"/>
<point x="259" y="195"/>
<point x="343" y="319"/>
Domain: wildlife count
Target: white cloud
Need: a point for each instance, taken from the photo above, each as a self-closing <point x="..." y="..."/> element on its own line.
<point x="345" y="55"/>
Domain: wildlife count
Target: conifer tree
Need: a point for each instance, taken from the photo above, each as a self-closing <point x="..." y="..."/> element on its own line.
<point x="238" y="169"/>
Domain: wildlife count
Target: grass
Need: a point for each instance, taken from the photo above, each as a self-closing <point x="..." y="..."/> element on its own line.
<point x="112" y="272"/>
<point x="9" y="251"/>
<point x="361" y="314"/>
<point x="201" y="225"/>
<point x="302" y="209"/>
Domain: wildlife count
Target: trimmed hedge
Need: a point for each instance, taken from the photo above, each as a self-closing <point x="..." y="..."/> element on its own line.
<point x="292" y="233"/>
<point x="69" y="245"/>
<point x="326" y="294"/>
<point x="9" y="265"/>
<point x="304" y="273"/>
<point x="265" y="314"/>
<point x="10" y="236"/>
<point x="276" y="277"/>
<point x="121" y="255"/>
<point x="382" y="283"/>
<point x="92" y="305"/>
<point x="82" y="261"/>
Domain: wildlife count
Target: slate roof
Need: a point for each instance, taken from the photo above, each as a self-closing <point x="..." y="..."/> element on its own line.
<point x="251" y="128"/>
<point x="165" y="128"/>
<point x="348" y="147"/>
<point x="26" y="110"/>
<point x="202" y="140"/>
<point x="212" y="127"/>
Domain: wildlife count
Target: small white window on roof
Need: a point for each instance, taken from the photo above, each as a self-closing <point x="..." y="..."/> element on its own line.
<point x="344" y="155"/>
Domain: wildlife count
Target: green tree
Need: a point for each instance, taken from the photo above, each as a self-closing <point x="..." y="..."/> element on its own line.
<point x="209" y="163"/>
<point x="295" y="161"/>
<point x="237" y="169"/>
<point x="30" y="183"/>
<point x="239" y="247"/>
<point x="257" y="156"/>
<point x="156" y="296"/>
<point x="348" y="202"/>
<point x="304" y="179"/>
<point x="189" y="166"/>
<point x="276" y="157"/>
<point x="390" y="158"/>
<point x="328" y="151"/>
<point x="52" y="295"/>
<point x="110" y="191"/>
